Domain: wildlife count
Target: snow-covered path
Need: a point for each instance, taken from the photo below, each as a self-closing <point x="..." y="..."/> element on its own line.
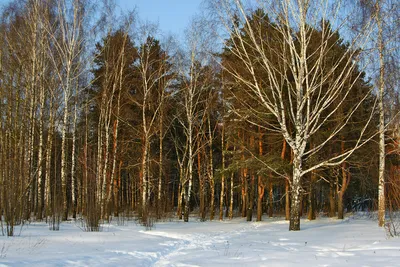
<point x="325" y="242"/>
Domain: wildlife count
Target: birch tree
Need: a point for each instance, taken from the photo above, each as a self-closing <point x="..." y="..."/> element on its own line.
<point x="195" y="82"/>
<point x="152" y="77"/>
<point x="298" y="90"/>
<point x="385" y="44"/>
<point x="66" y="36"/>
<point x="113" y="81"/>
<point x="24" y="69"/>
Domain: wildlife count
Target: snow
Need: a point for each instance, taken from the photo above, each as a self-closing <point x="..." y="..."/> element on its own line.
<point x="324" y="242"/>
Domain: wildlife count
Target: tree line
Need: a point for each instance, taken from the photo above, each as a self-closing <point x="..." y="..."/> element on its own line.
<point x="276" y="108"/>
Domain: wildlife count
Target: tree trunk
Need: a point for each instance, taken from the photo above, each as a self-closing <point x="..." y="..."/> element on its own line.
<point x="381" y="186"/>
<point x="287" y="194"/>
<point x="201" y="183"/>
<point x="179" y="207"/>
<point x="340" y="206"/>
<point x="190" y="173"/>
<point x="160" y="166"/>
<point x="49" y="147"/>
<point x="32" y="75"/>
<point x="99" y="160"/>
<point x="243" y="172"/>
<point x="231" y="198"/>
<point x="113" y="178"/>
<point x="260" y="183"/>
<point x="40" y="154"/>
<point x="287" y="200"/>
<point x="85" y="181"/>
<point x="144" y="176"/>
<point x="296" y="191"/>
<point x="212" y="201"/>
<point x="270" y="198"/>
<point x="74" y="188"/>
<point x="250" y="200"/>
<point x="114" y="174"/>
<point x="345" y="183"/>
<point x="259" y="199"/>
<point x="311" y="198"/>
<point x="63" y="157"/>
<point x="117" y="188"/>
<point x="332" y="194"/>
<point x="211" y="169"/>
<point x="244" y="192"/>
<point x="105" y="171"/>
<point x="222" y="193"/>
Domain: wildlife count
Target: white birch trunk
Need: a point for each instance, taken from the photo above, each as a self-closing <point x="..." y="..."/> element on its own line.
<point x="74" y="188"/>
<point x="222" y="193"/>
<point x="144" y="151"/>
<point x="211" y="169"/>
<point x="160" y="207"/>
<point x="295" y="193"/>
<point x="231" y="198"/>
<point x="40" y="152"/>
<point x="106" y="156"/>
<point x="100" y="151"/>
<point x="382" y="155"/>
<point x="190" y="172"/>
<point x="64" y="150"/>
<point x="32" y="97"/>
<point x="49" y="146"/>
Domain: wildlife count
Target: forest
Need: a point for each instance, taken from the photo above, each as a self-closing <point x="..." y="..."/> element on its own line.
<point x="278" y="108"/>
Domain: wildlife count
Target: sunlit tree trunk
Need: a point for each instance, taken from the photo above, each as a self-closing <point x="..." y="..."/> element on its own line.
<point x="74" y="184"/>
<point x="40" y="183"/>
<point x="260" y="182"/>
<point x="211" y="169"/>
<point x="189" y="164"/>
<point x="48" y="179"/>
<point x="231" y="197"/>
<point x="201" y="179"/>
<point x="243" y="177"/>
<point x="381" y="180"/>
<point x="222" y="193"/>
<point x="296" y="192"/>
<point x="161" y="155"/>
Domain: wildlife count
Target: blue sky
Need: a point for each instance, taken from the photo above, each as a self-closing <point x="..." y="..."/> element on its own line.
<point x="172" y="16"/>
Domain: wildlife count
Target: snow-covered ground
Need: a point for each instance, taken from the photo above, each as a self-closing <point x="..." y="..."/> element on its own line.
<point x="325" y="242"/>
